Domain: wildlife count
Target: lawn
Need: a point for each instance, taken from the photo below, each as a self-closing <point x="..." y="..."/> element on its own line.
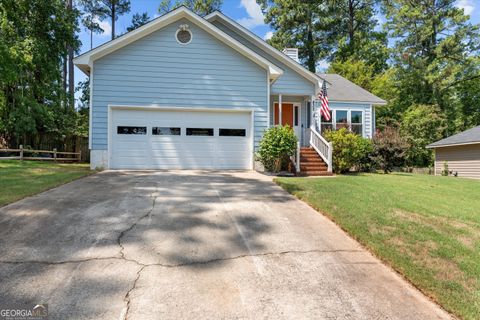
<point x="425" y="227"/>
<point x="19" y="179"/>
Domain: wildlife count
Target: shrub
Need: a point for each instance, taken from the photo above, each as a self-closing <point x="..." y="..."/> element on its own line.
<point x="445" y="171"/>
<point x="389" y="149"/>
<point x="420" y="126"/>
<point x="277" y="145"/>
<point x="349" y="150"/>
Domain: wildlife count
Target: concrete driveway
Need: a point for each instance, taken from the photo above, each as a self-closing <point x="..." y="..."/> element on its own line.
<point x="191" y="244"/>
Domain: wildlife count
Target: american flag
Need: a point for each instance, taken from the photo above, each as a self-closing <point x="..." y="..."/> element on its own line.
<point x="322" y="96"/>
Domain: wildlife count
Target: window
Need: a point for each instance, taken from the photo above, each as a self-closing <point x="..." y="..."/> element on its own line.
<point x="131" y="130"/>
<point x="183" y="36"/>
<point x="341" y="119"/>
<point x="356" y="122"/>
<point x="326" y="125"/>
<point x="165" y="131"/>
<point x="199" y="132"/>
<point x="232" y="132"/>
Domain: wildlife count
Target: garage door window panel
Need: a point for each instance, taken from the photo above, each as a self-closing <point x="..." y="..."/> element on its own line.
<point x="131" y="130"/>
<point x="205" y="132"/>
<point x="166" y="131"/>
<point x="232" y="132"/>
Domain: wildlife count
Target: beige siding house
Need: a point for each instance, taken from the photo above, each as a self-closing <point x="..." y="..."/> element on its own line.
<point x="461" y="153"/>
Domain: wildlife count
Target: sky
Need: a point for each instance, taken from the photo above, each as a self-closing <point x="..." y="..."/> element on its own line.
<point x="246" y="12"/>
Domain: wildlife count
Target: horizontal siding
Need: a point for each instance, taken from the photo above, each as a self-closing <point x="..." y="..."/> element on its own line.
<point x="157" y="70"/>
<point x="462" y="159"/>
<point x="290" y="82"/>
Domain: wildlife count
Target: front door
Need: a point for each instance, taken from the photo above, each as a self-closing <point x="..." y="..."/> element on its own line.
<point x="290" y="116"/>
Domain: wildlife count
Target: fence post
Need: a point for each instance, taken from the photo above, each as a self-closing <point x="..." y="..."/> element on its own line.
<point x="55" y="154"/>
<point x="80" y="156"/>
<point x="21" y="152"/>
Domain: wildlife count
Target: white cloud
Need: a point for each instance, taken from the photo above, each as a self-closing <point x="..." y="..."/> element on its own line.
<point x="106" y="26"/>
<point x="322" y="66"/>
<point x="268" y="35"/>
<point x="466" y="5"/>
<point x="255" y="16"/>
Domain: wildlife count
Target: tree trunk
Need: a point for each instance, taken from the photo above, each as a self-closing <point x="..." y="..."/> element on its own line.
<point x="113" y="19"/>
<point x="351" y="21"/>
<point x="65" y="73"/>
<point x="71" y="75"/>
<point x="311" y="59"/>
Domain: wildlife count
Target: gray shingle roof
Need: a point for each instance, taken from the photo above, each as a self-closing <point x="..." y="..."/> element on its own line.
<point x="342" y="89"/>
<point x="468" y="136"/>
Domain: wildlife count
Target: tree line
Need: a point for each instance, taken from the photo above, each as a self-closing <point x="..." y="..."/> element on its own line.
<point x="38" y="40"/>
<point x="423" y="59"/>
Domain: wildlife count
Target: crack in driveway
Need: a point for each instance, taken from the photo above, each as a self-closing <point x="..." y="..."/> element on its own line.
<point x="124" y="232"/>
<point x="186" y="264"/>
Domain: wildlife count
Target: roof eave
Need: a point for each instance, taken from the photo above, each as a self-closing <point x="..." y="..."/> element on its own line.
<point x="433" y="146"/>
<point x="376" y="103"/>
<point x="316" y="79"/>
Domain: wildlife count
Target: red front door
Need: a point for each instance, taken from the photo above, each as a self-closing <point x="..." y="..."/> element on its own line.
<point x="287" y="114"/>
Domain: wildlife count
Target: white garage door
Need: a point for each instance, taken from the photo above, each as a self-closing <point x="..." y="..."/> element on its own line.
<point x="145" y="139"/>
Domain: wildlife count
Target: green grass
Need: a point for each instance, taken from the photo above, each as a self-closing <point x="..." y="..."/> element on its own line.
<point x="425" y="227"/>
<point x="19" y="179"/>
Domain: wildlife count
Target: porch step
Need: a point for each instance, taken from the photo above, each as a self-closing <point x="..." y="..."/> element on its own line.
<point x="311" y="164"/>
<point x="310" y="158"/>
<point x="315" y="173"/>
<point x="313" y="167"/>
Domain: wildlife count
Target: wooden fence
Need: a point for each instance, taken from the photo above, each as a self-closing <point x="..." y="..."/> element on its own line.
<point x="49" y="141"/>
<point x="46" y="155"/>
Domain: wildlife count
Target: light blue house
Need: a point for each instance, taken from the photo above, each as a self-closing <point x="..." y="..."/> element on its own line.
<point x="184" y="92"/>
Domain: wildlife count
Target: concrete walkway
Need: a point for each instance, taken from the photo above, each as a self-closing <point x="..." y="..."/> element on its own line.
<point x="194" y="245"/>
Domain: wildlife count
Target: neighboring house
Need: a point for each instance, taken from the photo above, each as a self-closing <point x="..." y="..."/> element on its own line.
<point x="184" y="92"/>
<point x="461" y="152"/>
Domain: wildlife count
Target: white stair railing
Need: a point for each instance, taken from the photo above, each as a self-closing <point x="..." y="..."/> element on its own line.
<point x="322" y="146"/>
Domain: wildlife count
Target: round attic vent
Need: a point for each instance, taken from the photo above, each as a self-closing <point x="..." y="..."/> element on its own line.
<point x="183" y="35"/>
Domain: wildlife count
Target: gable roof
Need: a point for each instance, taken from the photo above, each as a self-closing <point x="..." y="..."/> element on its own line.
<point x="470" y="136"/>
<point x="341" y="89"/>
<point x="294" y="65"/>
<point x="85" y="60"/>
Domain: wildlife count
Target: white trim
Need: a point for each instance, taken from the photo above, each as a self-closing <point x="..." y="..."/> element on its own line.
<point x="86" y="59"/>
<point x="252" y="144"/>
<point x="181" y="43"/>
<point x="453" y="145"/>
<point x="372" y="120"/>
<point x="434" y="162"/>
<point x="268" y="98"/>
<point x="110" y="107"/>
<point x="275" y="53"/>
<point x="358" y="102"/>
<point x="280" y="109"/>
<point x="90" y="112"/>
